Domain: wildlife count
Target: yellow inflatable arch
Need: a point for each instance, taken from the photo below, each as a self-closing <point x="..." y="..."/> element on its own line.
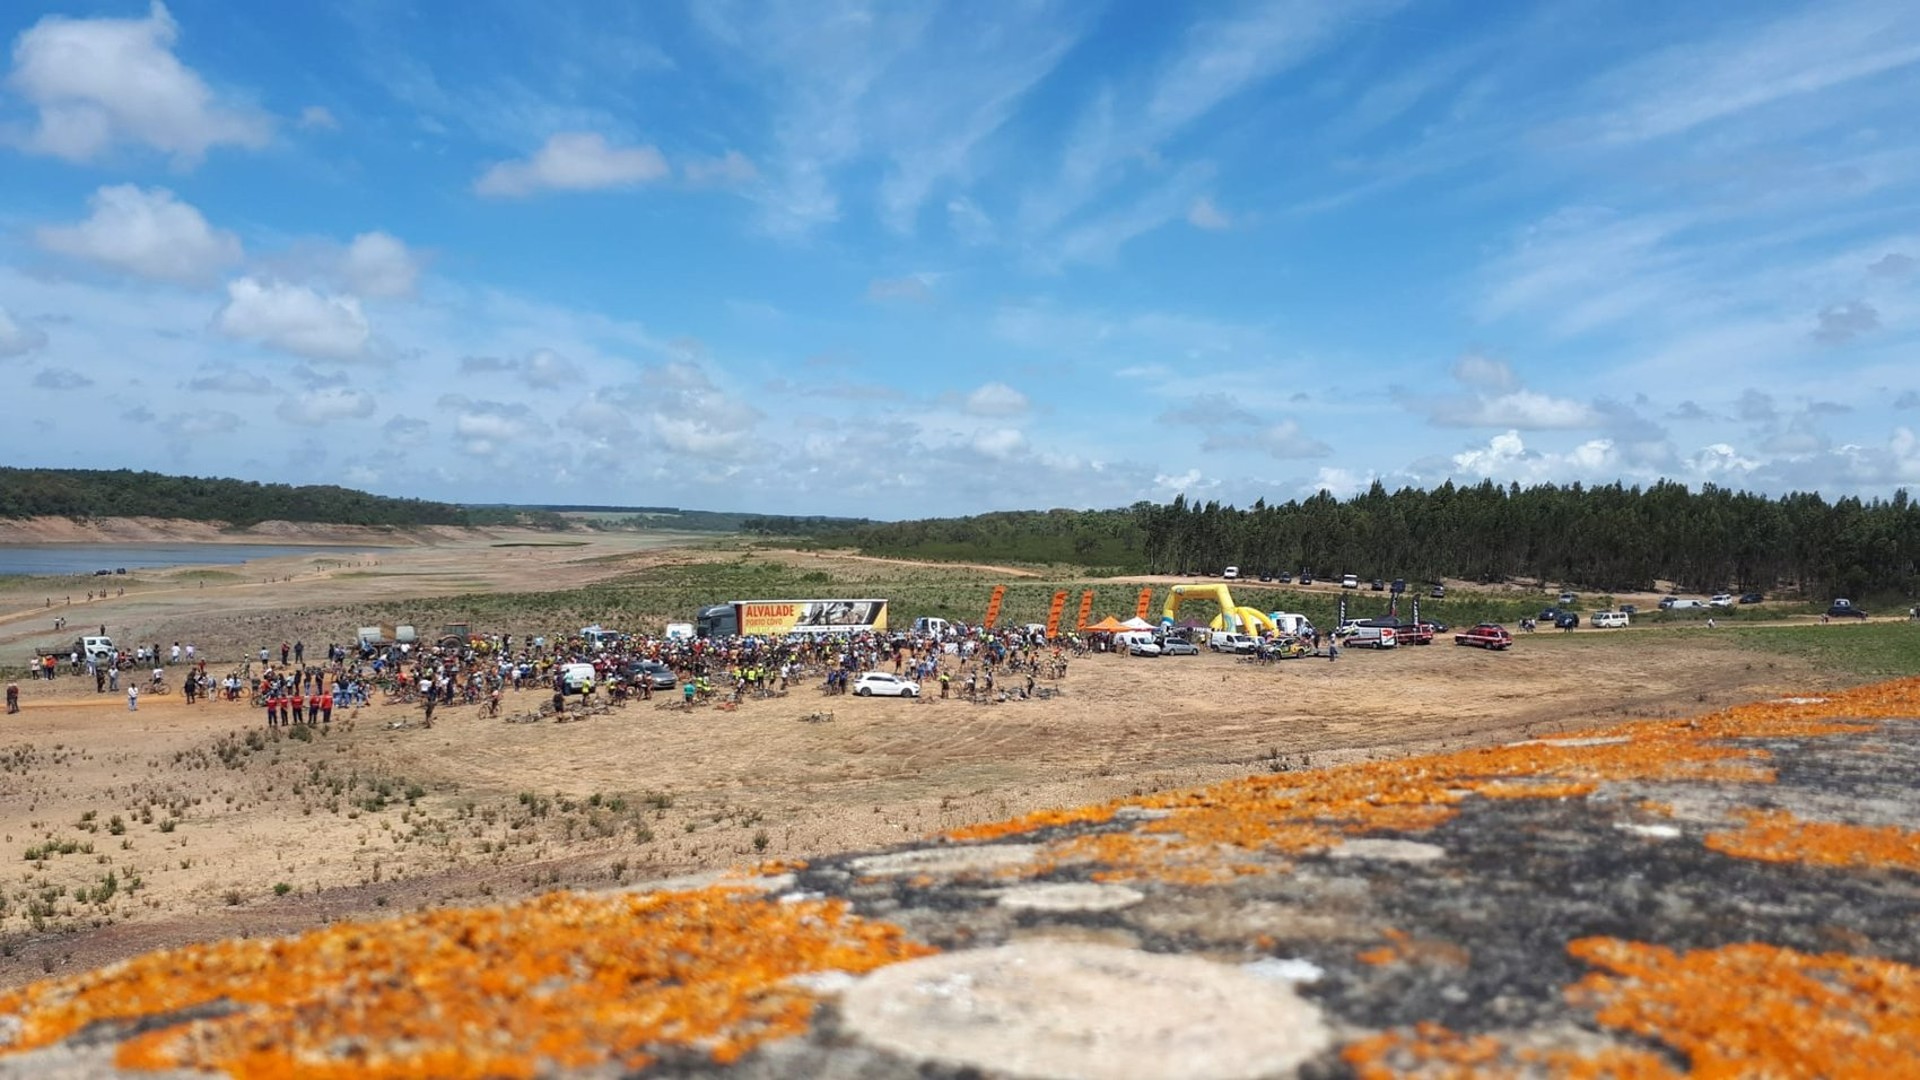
<point x="1232" y="616"/>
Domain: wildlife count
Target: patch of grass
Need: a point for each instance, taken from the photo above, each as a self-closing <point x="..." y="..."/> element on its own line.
<point x="1874" y="649"/>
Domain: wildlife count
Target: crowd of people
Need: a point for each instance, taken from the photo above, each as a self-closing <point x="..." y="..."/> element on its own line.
<point x="292" y="687"/>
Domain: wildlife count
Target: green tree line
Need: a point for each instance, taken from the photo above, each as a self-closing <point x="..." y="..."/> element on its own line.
<point x="91" y="493"/>
<point x="1611" y="537"/>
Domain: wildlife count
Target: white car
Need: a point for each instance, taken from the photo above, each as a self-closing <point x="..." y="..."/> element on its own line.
<point x="1350" y="581"/>
<point x="1722" y="600"/>
<point x="881" y="684"/>
<point x="1231" y="573"/>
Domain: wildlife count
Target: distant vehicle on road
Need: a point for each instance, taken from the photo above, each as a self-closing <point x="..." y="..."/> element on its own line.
<point x="1175" y="647"/>
<point x="1568" y="598"/>
<point x="1721" y="600"/>
<point x="1567" y="620"/>
<point x="1485" y="636"/>
<point x="1231" y="573"/>
<point x="1377" y="585"/>
<point x="1610" y="620"/>
<point x="1439" y="591"/>
<point x="1753" y="598"/>
<point x="1844" y="609"/>
<point x="1350" y="581"/>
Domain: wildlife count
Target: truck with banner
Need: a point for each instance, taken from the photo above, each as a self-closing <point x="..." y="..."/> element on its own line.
<point x="779" y="618"/>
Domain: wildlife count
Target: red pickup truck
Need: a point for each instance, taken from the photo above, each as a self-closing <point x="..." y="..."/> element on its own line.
<point x="1486" y="636"/>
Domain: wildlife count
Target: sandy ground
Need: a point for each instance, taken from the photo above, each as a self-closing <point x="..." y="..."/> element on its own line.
<point x="175" y="824"/>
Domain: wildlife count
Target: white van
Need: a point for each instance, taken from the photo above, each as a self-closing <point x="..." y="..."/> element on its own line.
<point x="1358" y="636"/>
<point x="1681" y="603"/>
<point x="931" y="627"/>
<point x="97" y="649"/>
<point x="1137" y="643"/>
<point x="1231" y="573"/>
<point x="1350" y="581"/>
<point x="1609" y="620"/>
<point x="1229" y="642"/>
<point x="578" y="677"/>
<point x="1291" y="624"/>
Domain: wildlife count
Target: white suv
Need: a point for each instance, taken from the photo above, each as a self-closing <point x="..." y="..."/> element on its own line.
<point x="1722" y="600"/>
<point x="881" y="684"/>
<point x="1350" y="581"/>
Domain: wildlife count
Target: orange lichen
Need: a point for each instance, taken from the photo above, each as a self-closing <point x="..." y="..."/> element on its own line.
<point x="1039" y="819"/>
<point x="1758" y="1010"/>
<point x="1776" y="836"/>
<point x="1299" y="812"/>
<point x="1432" y="1052"/>
<point x="1508" y="789"/>
<point x="563" y="981"/>
<point x="1404" y="948"/>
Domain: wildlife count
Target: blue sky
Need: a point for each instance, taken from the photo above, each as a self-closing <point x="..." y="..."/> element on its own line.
<point x="901" y="259"/>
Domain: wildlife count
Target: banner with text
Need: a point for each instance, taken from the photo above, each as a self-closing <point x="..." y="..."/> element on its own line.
<point x="993" y="605"/>
<point x="776" y="618"/>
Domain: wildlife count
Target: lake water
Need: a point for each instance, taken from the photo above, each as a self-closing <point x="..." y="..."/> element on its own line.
<point x="86" y="558"/>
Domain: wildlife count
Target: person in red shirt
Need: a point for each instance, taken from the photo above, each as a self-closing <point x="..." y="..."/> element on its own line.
<point x="326" y="707"/>
<point x="276" y="709"/>
<point x="299" y="703"/>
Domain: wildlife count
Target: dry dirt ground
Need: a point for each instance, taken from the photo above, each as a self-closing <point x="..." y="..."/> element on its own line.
<point x="124" y="832"/>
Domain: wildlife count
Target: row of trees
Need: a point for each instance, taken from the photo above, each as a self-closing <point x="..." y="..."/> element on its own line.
<point x="90" y="493"/>
<point x="1610" y="538"/>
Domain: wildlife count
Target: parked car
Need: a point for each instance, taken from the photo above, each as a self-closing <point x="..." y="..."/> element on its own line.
<point x="1610" y="620"/>
<point x="1349" y="581"/>
<point x="1486" y="636"/>
<point x="1231" y="573"/>
<point x="1843" y="609"/>
<point x="1266" y="575"/>
<point x="1306" y="577"/>
<point x="1567" y="620"/>
<point x="1680" y="603"/>
<point x="1138" y="643"/>
<point x="1175" y="647"/>
<point x="1629" y="609"/>
<point x="1721" y="600"/>
<point x="1377" y="585"/>
<point x="1439" y="591"/>
<point x="1285" y="578"/>
<point x="1551" y="614"/>
<point x="881" y="684"/>
<point x="1568" y="598"/>
<point x="1399" y="586"/>
<point x="651" y="673"/>
<point x="1753" y="598"/>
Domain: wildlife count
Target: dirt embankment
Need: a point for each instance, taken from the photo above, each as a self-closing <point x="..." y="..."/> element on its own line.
<point x="147" y="530"/>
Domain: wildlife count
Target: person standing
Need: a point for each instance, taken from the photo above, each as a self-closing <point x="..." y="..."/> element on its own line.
<point x="133" y="698"/>
<point x="13" y="698"/>
<point x="1333" y="648"/>
<point x="326" y="706"/>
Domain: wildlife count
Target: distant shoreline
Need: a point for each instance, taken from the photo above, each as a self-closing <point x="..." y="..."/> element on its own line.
<point x="149" y="530"/>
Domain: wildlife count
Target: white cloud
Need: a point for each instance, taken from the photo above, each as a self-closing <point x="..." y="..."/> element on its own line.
<point x="916" y="288"/>
<point x="147" y="233"/>
<point x="1506" y="457"/>
<point x="685" y="413"/>
<point x="328" y="406"/>
<point x="999" y="442"/>
<point x="1484" y="372"/>
<point x="1286" y="441"/>
<point x="1842" y="323"/>
<point x="378" y="266"/>
<point x="295" y="318"/>
<point x="731" y="169"/>
<point x="970" y="224"/>
<point x="996" y="399"/>
<point x="574" y="161"/>
<point x="485" y="428"/>
<point x="61" y="379"/>
<point x="318" y="118"/>
<point x="190" y="425"/>
<point x="16" y="339"/>
<point x="1203" y="214"/>
<point x="406" y="431"/>
<point x="1527" y="410"/>
<point x="227" y="379"/>
<point x="96" y="82"/>
<point x="1755" y="66"/>
<point x="547" y="370"/>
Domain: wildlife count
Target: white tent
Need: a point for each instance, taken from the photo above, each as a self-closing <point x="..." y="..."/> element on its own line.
<point x="1137" y="623"/>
